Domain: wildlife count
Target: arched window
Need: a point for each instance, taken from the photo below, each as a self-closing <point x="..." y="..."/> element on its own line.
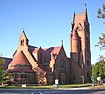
<point x="22" y="42"/>
<point x="62" y="65"/>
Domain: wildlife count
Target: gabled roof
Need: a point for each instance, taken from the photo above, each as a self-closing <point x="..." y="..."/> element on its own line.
<point x="52" y="51"/>
<point x="31" y="48"/>
<point x="20" y="59"/>
<point x="56" y="50"/>
<point x="18" y="62"/>
<point x="36" y="50"/>
<point x="23" y="34"/>
<point x="47" y="52"/>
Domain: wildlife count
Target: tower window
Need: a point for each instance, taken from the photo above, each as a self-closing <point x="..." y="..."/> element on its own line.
<point x="22" y="42"/>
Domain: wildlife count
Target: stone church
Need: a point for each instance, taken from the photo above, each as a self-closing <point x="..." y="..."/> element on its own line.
<point x="33" y="65"/>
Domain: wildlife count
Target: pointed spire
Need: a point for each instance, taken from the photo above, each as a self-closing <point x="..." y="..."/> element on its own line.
<point x="85" y="7"/>
<point x="23" y="29"/>
<point x="23" y="33"/>
<point x="86" y="18"/>
<point x="40" y="47"/>
<point x="74" y="17"/>
<point x="72" y="23"/>
<point x="85" y="10"/>
<point x="62" y="42"/>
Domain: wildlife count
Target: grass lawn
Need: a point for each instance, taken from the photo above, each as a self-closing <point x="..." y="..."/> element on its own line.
<point x="48" y="86"/>
<point x="74" y="85"/>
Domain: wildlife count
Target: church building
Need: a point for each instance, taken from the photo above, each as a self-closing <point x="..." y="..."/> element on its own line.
<point x="33" y="65"/>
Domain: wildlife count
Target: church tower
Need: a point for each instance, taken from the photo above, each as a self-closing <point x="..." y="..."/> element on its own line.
<point x="22" y="44"/>
<point x="80" y="43"/>
<point x="23" y="40"/>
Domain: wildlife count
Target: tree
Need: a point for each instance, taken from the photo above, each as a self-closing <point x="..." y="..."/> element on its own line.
<point x="101" y="12"/>
<point x="4" y="77"/>
<point x="98" y="70"/>
<point x="101" y="42"/>
<point x="101" y="58"/>
<point x="1" y="69"/>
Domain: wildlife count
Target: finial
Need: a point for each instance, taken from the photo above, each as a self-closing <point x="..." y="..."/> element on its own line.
<point x="62" y="42"/>
<point x="85" y="4"/>
<point x="85" y="7"/>
<point x="74" y="13"/>
<point x="23" y="29"/>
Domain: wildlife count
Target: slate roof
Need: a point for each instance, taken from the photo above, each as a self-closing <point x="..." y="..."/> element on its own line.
<point x="48" y="51"/>
<point x="31" y="48"/>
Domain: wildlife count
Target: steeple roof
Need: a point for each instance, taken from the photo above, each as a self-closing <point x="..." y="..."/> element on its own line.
<point x="86" y="16"/>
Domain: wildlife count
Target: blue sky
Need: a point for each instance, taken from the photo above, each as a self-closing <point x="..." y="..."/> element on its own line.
<point x="46" y="23"/>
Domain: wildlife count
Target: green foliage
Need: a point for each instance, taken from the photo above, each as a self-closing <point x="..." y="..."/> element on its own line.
<point x="4" y="77"/>
<point x="103" y="7"/>
<point x="101" y="12"/>
<point x="101" y="58"/>
<point x="101" y="42"/>
<point x="48" y="86"/>
<point x="98" y="70"/>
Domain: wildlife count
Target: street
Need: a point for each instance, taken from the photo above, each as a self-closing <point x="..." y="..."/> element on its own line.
<point x="53" y="91"/>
